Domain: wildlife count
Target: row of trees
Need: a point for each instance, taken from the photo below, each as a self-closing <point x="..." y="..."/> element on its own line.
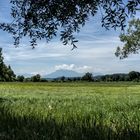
<point x="35" y="78"/>
<point x="131" y="76"/>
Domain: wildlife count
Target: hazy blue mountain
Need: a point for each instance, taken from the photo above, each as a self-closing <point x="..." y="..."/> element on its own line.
<point x="66" y="73"/>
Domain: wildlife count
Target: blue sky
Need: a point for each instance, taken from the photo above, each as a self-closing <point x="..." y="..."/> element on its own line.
<point x="95" y="53"/>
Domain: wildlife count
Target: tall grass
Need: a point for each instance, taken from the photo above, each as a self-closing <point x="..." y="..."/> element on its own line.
<point x="69" y="111"/>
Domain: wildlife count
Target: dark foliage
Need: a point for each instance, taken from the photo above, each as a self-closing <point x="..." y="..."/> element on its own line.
<point x="36" y="78"/>
<point x="20" y="78"/>
<point x="87" y="77"/>
<point x="6" y="73"/>
<point x="131" y="76"/>
<point x="131" y="40"/>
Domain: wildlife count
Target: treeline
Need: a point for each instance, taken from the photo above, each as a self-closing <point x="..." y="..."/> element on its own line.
<point x="35" y="78"/>
<point x="131" y="76"/>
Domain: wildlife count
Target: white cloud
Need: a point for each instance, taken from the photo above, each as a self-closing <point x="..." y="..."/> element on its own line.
<point x="65" y="66"/>
<point x="74" y="67"/>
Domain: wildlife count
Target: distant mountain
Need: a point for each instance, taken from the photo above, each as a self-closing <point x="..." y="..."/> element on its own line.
<point x="66" y="73"/>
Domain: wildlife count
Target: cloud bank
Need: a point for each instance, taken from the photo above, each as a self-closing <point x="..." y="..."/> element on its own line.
<point x="73" y="67"/>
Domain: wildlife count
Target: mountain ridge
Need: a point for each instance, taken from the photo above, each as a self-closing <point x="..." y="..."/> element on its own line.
<point x="63" y="72"/>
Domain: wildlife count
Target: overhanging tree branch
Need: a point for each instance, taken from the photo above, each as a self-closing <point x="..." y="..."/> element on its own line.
<point x="42" y="19"/>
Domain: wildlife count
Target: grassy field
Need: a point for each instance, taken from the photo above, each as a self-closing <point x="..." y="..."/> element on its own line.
<point x="69" y="111"/>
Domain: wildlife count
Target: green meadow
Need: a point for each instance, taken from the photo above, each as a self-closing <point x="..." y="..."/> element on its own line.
<point x="69" y="111"/>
